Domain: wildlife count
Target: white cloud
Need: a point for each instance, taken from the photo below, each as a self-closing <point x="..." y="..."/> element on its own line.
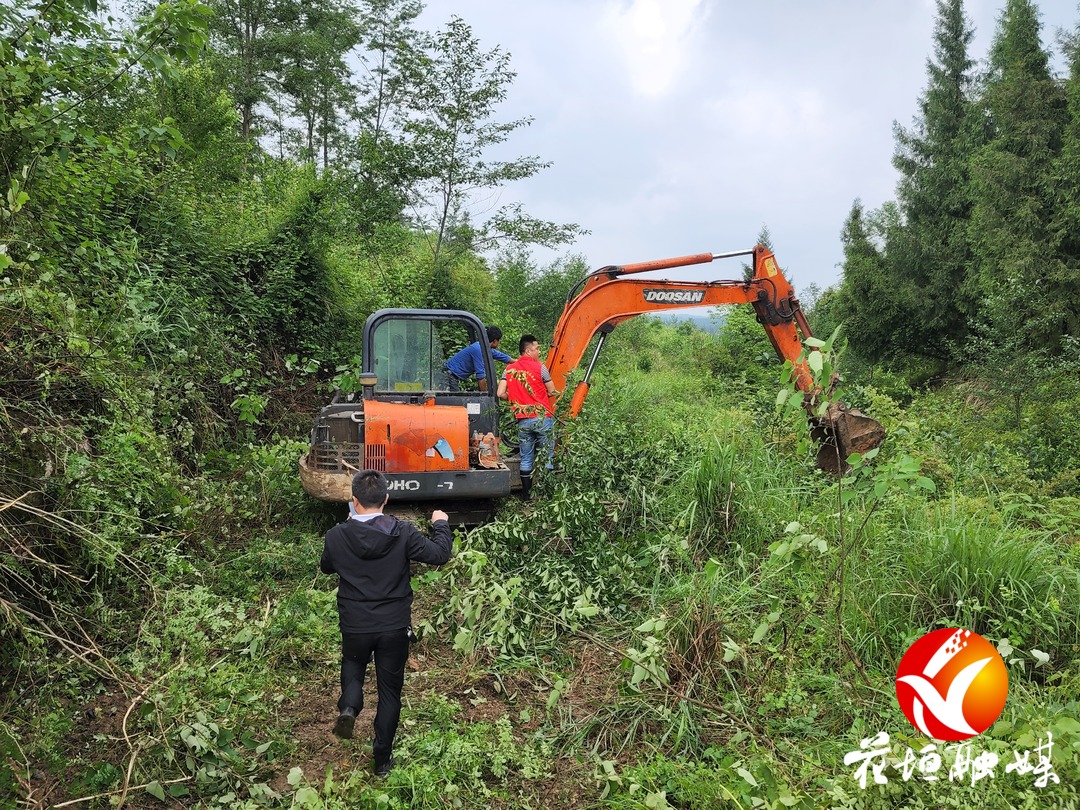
<point x="653" y="38"/>
<point x="763" y="113"/>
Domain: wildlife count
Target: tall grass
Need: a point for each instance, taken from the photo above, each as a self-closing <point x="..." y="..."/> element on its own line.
<point x="936" y="567"/>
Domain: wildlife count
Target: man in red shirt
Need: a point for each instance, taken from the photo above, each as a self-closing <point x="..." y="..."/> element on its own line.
<point x="528" y="387"/>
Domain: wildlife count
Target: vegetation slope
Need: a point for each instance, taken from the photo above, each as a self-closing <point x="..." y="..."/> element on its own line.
<point x="690" y="614"/>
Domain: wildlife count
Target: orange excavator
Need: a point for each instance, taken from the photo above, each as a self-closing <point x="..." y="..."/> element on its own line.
<point x="437" y="443"/>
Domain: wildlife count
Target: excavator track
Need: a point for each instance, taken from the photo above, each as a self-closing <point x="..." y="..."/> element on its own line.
<point x="461" y="514"/>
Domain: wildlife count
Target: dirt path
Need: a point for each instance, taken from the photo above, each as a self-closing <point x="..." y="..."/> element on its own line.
<point x="483" y="698"/>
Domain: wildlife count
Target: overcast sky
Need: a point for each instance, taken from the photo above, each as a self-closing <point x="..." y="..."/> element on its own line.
<point x="683" y="126"/>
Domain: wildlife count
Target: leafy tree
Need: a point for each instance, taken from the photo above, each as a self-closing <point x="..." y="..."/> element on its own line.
<point x="392" y="46"/>
<point x="57" y="65"/>
<point x="56" y="58"/>
<point x="531" y="299"/>
<point x="450" y="136"/>
<point x="242" y="31"/>
<point x="1011" y="223"/>
<point x="314" y="73"/>
<point x="934" y="191"/>
<point x="379" y="174"/>
<point x="205" y="116"/>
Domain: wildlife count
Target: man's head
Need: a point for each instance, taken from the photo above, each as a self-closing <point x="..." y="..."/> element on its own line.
<point x="494" y="335"/>
<point x="529" y="345"/>
<point x="369" y="489"/>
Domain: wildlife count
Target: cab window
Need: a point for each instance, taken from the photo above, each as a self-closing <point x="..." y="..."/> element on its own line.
<point x="410" y="354"/>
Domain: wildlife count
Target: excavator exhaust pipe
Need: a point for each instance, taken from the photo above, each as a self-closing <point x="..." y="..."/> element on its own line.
<point x="841" y="432"/>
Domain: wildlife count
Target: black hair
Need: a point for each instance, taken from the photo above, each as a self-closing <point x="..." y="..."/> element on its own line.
<point x="369" y="488"/>
<point x="525" y="341"/>
<point x="494" y="333"/>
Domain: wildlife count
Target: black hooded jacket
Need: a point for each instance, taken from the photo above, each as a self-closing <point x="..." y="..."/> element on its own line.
<point x="371" y="559"/>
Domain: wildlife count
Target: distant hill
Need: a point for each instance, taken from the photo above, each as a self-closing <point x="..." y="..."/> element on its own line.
<point x="704" y="321"/>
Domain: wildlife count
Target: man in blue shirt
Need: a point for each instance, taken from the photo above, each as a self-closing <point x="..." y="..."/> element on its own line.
<point x="470" y="361"/>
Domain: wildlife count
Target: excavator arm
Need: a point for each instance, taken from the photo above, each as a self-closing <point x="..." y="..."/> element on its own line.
<point x="606" y="297"/>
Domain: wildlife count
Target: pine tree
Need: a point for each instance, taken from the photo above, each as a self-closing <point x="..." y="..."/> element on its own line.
<point x="931" y="251"/>
<point x="1012" y="219"/>
<point x="874" y="308"/>
<point x="1063" y="275"/>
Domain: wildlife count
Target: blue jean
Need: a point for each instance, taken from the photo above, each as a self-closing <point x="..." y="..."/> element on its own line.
<point x="532" y="437"/>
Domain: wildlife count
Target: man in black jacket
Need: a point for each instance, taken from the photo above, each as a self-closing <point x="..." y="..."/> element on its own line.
<point x="370" y="553"/>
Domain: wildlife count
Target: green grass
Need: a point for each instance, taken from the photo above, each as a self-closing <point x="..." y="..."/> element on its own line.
<point x="666" y="627"/>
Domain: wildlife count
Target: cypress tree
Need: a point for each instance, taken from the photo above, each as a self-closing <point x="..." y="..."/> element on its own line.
<point x="1013" y="183"/>
<point x="930" y="254"/>
<point x="873" y="306"/>
<point x="1063" y="274"/>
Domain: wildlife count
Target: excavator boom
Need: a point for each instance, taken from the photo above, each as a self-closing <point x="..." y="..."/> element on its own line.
<point x="605" y="298"/>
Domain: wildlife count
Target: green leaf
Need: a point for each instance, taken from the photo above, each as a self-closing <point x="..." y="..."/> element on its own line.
<point x="759" y="634"/>
<point x="295" y="777"/>
<point x="156" y="790"/>
<point x="815" y="361"/>
<point x="177" y="790"/>
<point x="926" y="483"/>
<point x="779" y="549"/>
<point x="1067" y="725"/>
<point x="749" y="777"/>
<point x="305" y="795"/>
<point x="814" y="343"/>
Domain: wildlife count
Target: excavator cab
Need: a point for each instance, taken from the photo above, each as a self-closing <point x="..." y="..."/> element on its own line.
<point x="430" y="440"/>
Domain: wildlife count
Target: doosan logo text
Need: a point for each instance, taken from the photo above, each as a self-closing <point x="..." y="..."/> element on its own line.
<point x="674" y="296"/>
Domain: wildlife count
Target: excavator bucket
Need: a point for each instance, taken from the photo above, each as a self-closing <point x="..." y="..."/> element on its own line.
<point x="841" y="432"/>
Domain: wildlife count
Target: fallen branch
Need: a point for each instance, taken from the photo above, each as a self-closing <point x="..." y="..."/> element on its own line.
<point x="114" y="792"/>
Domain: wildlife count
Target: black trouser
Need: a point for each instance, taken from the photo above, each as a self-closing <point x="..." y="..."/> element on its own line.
<point x="391" y="651"/>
